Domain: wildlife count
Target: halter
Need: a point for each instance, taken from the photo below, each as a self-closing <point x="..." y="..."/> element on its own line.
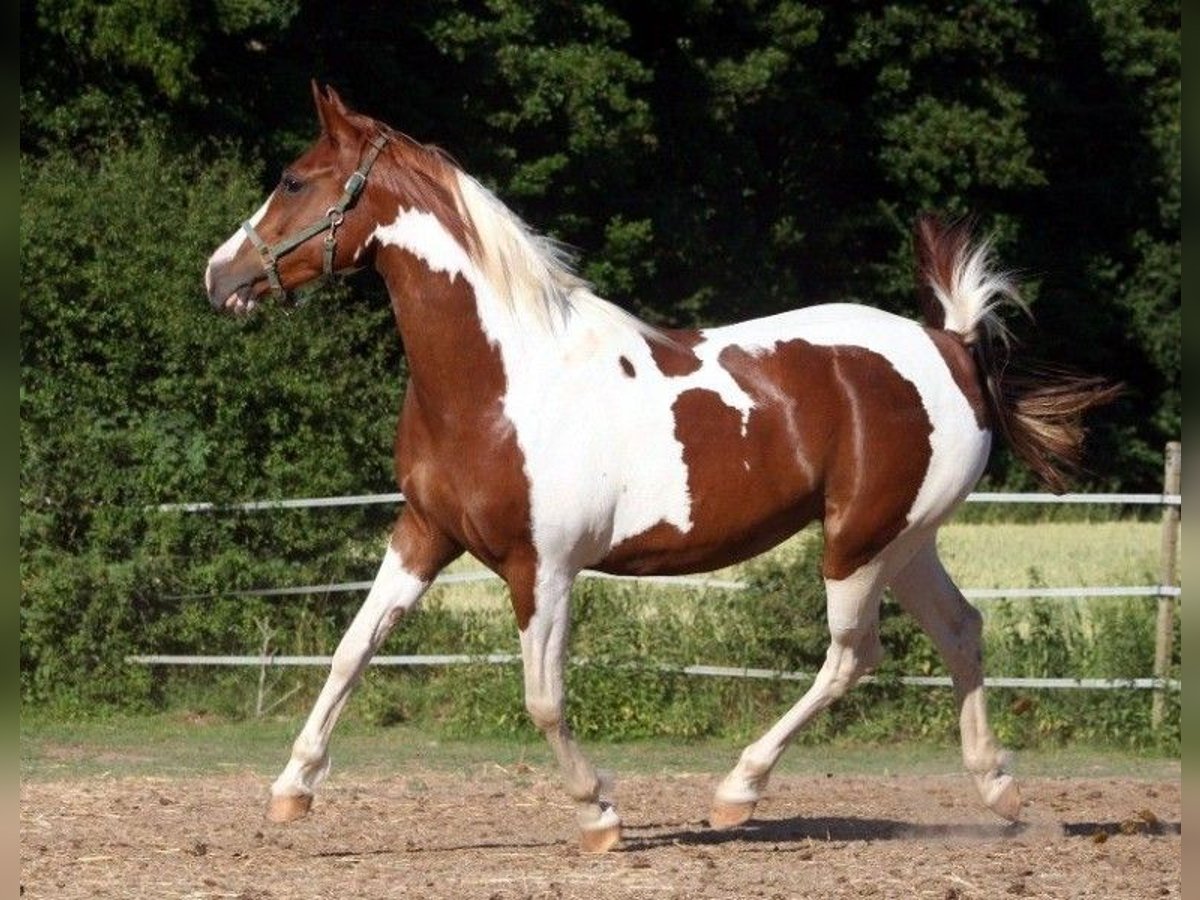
<point x="333" y="217"/>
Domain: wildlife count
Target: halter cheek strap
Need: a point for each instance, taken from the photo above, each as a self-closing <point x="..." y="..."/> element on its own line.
<point x="330" y="222"/>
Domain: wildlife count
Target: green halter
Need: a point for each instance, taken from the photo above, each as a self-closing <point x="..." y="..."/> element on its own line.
<point x="333" y="217"/>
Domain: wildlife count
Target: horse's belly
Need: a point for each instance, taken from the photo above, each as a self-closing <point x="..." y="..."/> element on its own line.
<point x="751" y="482"/>
<point x="737" y="535"/>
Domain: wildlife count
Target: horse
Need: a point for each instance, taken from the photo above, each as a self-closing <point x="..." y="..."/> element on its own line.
<point x="545" y="430"/>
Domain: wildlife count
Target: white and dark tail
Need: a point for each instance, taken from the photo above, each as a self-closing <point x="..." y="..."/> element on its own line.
<point x="1038" y="411"/>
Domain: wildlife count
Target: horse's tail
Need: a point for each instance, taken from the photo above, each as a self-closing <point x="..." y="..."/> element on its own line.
<point x="1039" y="412"/>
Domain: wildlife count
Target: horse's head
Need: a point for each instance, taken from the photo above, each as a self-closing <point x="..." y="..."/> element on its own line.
<point x="317" y="221"/>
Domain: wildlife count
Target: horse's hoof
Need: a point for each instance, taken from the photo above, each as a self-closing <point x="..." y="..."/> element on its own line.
<point x="599" y="840"/>
<point x="1003" y="797"/>
<point x="289" y="808"/>
<point x="729" y="815"/>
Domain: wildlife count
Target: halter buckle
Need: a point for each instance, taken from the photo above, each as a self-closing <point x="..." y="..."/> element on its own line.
<point x="355" y="183"/>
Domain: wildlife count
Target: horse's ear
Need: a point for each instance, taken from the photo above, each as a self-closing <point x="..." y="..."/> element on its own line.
<point x="331" y="112"/>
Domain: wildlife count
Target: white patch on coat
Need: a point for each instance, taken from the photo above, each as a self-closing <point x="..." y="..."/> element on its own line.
<point x="601" y="454"/>
<point x="233" y="244"/>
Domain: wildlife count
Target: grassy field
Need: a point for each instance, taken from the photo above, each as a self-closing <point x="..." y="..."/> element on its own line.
<point x="622" y="629"/>
<point x="978" y="555"/>
<point x="176" y="745"/>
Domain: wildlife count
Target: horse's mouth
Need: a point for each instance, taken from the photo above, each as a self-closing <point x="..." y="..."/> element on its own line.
<point x="241" y="301"/>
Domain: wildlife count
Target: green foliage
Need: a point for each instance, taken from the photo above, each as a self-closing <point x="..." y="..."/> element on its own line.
<point x="621" y="686"/>
<point x="717" y="162"/>
<point x="134" y="393"/>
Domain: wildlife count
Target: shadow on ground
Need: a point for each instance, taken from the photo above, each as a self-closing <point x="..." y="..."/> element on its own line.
<point x="852" y="828"/>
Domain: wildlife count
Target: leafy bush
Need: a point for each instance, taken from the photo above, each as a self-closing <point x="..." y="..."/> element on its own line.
<point x="135" y="393"/>
<point x="622" y="643"/>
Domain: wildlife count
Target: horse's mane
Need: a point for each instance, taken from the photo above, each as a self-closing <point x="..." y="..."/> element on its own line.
<point x="532" y="273"/>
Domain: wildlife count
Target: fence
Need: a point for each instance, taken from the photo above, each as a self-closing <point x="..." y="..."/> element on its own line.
<point x="1170" y="500"/>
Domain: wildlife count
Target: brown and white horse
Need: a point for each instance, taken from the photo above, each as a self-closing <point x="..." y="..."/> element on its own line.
<point x="545" y="431"/>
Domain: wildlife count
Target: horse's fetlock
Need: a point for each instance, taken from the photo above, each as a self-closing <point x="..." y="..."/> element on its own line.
<point x="546" y="714"/>
<point x="308" y="753"/>
<point x="583" y="788"/>
<point x="987" y="760"/>
<point x="754" y="765"/>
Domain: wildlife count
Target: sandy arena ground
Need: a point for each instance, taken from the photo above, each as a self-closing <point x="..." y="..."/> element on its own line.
<point x="509" y="834"/>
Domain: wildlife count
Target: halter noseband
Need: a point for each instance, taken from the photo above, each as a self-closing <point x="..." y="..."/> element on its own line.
<point x="333" y="217"/>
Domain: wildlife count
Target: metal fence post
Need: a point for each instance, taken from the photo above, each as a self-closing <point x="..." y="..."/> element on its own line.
<point x="1169" y="549"/>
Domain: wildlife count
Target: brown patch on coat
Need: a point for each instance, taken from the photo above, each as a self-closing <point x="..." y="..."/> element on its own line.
<point x="835" y="433"/>
<point x="627" y="367"/>
<point x="452" y="419"/>
<point x="883" y="452"/>
<point x="674" y="356"/>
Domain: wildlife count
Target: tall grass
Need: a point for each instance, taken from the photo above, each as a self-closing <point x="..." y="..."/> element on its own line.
<point x="624" y="635"/>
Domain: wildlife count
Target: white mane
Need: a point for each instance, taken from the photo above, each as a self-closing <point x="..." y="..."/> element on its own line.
<point x="533" y="273"/>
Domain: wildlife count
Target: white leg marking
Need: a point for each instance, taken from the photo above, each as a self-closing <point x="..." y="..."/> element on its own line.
<point x="544" y="652"/>
<point x="927" y="593"/>
<point x="394" y="592"/>
<point x="854" y="649"/>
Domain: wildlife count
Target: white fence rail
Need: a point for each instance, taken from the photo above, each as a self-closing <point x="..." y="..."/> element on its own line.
<point x="502" y="659"/>
<point x="1170" y="500"/>
<point x="369" y="499"/>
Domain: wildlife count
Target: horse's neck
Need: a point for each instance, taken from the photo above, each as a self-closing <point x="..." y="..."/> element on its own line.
<point x="452" y="360"/>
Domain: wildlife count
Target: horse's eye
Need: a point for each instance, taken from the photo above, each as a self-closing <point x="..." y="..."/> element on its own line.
<point x="290" y="183"/>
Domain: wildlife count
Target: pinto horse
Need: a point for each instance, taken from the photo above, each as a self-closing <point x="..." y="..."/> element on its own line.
<point x="546" y="431"/>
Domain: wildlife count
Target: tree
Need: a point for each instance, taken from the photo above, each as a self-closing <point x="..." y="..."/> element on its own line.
<point x="711" y="161"/>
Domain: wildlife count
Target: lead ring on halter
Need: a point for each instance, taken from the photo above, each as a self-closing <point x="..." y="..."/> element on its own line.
<point x="333" y="218"/>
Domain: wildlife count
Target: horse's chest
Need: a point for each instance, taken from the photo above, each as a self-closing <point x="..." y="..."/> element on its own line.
<point x="599" y="449"/>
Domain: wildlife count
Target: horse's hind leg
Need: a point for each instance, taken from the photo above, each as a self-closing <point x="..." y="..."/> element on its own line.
<point x="925" y="590"/>
<point x="854" y="649"/>
<point x="415" y="554"/>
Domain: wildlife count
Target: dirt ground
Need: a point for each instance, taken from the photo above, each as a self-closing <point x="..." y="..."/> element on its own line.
<point x="508" y="834"/>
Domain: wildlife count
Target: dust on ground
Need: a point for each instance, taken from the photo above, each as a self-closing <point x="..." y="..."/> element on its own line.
<point x="509" y="834"/>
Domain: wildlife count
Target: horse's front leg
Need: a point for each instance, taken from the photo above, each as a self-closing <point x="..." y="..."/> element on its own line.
<point x="415" y="554"/>
<point x="544" y="635"/>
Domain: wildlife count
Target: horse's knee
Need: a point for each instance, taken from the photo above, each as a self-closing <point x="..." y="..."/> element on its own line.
<point x="984" y="756"/>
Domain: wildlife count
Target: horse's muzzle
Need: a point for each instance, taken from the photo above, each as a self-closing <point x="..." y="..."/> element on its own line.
<point x="232" y="291"/>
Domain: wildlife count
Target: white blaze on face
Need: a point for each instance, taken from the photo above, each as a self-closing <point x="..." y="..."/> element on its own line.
<point x="233" y="244"/>
<point x="600" y="447"/>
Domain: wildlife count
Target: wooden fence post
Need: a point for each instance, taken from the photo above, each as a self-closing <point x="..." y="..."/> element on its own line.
<point x="1169" y="551"/>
